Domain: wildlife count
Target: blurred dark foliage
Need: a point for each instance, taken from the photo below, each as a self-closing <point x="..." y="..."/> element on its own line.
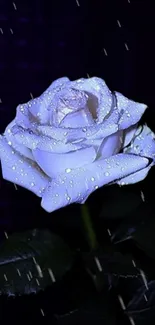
<point x="44" y="40"/>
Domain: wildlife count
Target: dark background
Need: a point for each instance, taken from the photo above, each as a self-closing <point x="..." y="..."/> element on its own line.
<point x="42" y="40"/>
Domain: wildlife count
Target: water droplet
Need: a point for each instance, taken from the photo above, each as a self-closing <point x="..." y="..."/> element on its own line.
<point x="68" y="170"/>
<point x="12" y="152"/>
<point x="56" y="194"/>
<point x="9" y="143"/>
<point x="68" y="198"/>
<point x="13" y="167"/>
<point x="106" y="174"/>
<point x="92" y="179"/>
<point x="32" y="184"/>
<point x="122" y="169"/>
<point x="96" y="187"/>
<point x="84" y="129"/>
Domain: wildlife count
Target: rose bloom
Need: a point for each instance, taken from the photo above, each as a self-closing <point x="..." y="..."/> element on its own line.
<point x="76" y="137"/>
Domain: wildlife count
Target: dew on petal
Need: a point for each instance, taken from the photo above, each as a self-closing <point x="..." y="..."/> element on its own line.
<point x="68" y="170"/>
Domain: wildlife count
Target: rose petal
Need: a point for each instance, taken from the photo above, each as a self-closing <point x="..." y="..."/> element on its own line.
<point x="143" y="143"/>
<point x="39" y="106"/>
<point x="130" y="111"/>
<point x="53" y="164"/>
<point x="21" y="170"/>
<point x="136" y="177"/>
<point x="81" y="182"/>
<point x="39" y="109"/>
<point x="129" y="134"/>
<point x="23" y="117"/>
<point x="99" y="89"/>
<point x="58" y="83"/>
<point x="77" y="119"/>
<point x="14" y="144"/>
<point x="32" y="141"/>
<point x="96" y="131"/>
<point x="110" y="145"/>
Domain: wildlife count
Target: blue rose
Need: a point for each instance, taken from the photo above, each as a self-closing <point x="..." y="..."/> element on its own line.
<point x="76" y="137"/>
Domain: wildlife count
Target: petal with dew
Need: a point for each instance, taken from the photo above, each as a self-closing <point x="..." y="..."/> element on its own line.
<point x="96" y="131"/>
<point x="130" y="111"/>
<point x="129" y="134"/>
<point x="77" y="119"/>
<point x="53" y="164"/>
<point x="96" y="87"/>
<point x="135" y="177"/>
<point x="30" y="140"/>
<point x="110" y="145"/>
<point x="81" y="182"/>
<point x="143" y="143"/>
<point x="20" y="148"/>
<point x="20" y="170"/>
<point x="39" y="108"/>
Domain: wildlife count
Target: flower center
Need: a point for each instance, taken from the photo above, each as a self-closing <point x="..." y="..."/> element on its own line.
<point x="73" y="99"/>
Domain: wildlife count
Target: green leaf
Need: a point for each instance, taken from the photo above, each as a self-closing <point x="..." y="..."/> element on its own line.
<point x="31" y="261"/>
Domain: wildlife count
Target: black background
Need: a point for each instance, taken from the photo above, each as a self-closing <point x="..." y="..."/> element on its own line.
<point x="42" y="40"/>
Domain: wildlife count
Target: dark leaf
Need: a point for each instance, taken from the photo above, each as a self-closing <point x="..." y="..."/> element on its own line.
<point x="32" y="260"/>
<point x="142" y="306"/>
<point x="94" y="310"/>
<point x="108" y="268"/>
<point x="131" y="226"/>
<point x="145" y="238"/>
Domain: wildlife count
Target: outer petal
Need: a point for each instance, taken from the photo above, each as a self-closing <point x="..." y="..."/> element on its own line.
<point x="81" y="182"/>
<point x="30" y="140"/>
<point x="20" y="148"/>
<point x="135" y="178"/>
<point x="143" y="143"/>
<point x="130" y="111"/>
<point x="53" y="164"/>
<point x="20" y="170"/>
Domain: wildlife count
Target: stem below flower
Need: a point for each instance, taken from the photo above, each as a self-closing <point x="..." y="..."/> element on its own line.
<point x="90" y="234"/>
